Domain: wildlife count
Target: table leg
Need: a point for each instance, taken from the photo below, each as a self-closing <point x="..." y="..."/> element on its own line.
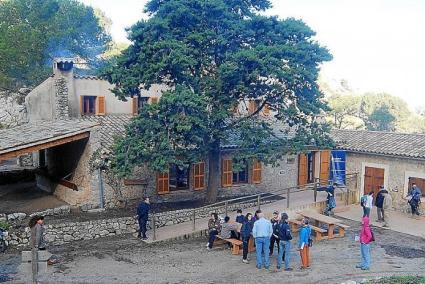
<point x="331" y="231"/>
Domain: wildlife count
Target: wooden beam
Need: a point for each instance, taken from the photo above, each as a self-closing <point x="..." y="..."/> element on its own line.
<point x="34" y="148"/>
<point x="68" y="184"/>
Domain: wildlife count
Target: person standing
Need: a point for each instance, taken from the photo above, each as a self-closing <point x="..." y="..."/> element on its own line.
<point x="387" y="205"/>
<point x="366" y="202"/>
<point x="37" y="222"/>
<point x="330" y="199"/>
<point x="246" y="233"/>
<point x="415" y="199"/>
<point x="262" y="231"/>
<point x="275" y="236"/>
<point x="143" y="216"/>
<point x="304" y="244"/>
<point x="214" y="228"/>
<point x="366" y="237"/>
<point x="239" y="219"/>
<point x="379" y="203"/>
<point x="285" y="237"/>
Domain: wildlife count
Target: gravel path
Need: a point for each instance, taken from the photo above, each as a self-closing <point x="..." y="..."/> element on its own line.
<point x="127" y="260"/>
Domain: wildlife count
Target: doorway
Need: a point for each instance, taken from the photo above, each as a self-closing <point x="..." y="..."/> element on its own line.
<point x="373" y="179"/>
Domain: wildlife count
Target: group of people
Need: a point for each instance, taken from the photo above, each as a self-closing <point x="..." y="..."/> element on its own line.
<point x="383" y="203"/>
<point x="266" y="233"/>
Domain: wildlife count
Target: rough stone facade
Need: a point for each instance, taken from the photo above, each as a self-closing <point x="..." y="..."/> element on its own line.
<point x="397" y="172"/>
<point x="61" y="99"/>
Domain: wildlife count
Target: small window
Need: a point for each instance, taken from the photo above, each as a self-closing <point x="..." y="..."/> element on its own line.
<point x="179" y="178"/>
<point x="88" y="105"/>
<point x="142" y="102"/>
<point x="153" y="100"/>
<point x="242" y="175"/>
<point x="310" y="167"/>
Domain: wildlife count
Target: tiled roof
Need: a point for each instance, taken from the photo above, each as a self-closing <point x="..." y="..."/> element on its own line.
<point x="111" y="126"/>
<point x="36" y="133"/>
<point x="383" y="143"/>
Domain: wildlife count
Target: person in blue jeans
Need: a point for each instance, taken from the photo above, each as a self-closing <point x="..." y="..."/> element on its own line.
<point x="262" y="232"/>
<point x="285" y="237"/>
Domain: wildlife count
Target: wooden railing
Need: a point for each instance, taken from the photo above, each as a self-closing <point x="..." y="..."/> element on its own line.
<point x="264" y="197"/>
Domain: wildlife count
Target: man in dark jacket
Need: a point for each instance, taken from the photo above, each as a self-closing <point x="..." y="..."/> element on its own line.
<point x="274" y="238"/>
<point x="379" y="203"/>
<point x="246" y="232"/>
<point x="143" y="215"/>
<point x="285" y="237"/>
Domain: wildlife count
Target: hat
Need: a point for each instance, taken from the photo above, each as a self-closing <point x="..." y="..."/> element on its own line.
<point x="275" y="213"/>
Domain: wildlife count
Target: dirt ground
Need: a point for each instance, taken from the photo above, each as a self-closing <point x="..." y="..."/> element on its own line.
<point x="127" y="260"/>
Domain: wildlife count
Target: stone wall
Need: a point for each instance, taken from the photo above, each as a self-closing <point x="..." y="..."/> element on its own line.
<point x="61" y="98"/>
<point x="397" y="172"/>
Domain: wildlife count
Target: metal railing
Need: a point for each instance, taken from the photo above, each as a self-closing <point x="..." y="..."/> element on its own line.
<point x="258" y="198"/>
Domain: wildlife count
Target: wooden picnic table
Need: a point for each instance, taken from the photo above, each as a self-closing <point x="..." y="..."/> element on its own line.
<point x="330" y="221"/>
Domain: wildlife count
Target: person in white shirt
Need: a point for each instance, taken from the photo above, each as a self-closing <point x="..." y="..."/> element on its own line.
<point x="366" y="202"/>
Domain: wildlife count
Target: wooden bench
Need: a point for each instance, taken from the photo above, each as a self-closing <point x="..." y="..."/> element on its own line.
<point x="236" y="244"/>
<point x="319" y="232"/>
<point x="342" y="228"/>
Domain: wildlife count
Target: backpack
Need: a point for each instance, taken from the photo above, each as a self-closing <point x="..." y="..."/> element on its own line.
<point x="363" y="200"/>
<point x="284" y="232"/>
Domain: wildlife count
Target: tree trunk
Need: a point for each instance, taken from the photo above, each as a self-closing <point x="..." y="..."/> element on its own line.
<point x="214" y="173"/>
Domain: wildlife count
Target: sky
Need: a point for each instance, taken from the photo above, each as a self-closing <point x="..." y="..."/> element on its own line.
<point x="377" y="45"/>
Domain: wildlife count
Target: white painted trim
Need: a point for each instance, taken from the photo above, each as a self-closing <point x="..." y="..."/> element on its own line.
<point x="386" y="168"/>
<point x="407" y="175"/>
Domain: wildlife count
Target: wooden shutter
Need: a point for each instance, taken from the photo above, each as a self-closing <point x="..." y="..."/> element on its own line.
<point x="162" y="183"/>
<point x="325" y="158"/>
<point x="256" y="171"/>
<point x="199" y="176"/>
<point x="153" y="100"/>
<point x="82" y="105"/>
<point x="100" y="105"/>
<point x="266" y="110"/>
<point x="302" y="169"/>
<point x="134" y="105"/>
<point x="226" y="173"/>
<point x="251" y="107"/>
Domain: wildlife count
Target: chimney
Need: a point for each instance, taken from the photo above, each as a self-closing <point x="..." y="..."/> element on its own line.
<point x="64" y="86"/>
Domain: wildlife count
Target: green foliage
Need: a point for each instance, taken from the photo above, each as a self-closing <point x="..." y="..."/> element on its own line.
<point x="399" y="280"/>
<point x="32" y="32"/>
<point x="4" y="225"/>
<point x="215" y="55"/>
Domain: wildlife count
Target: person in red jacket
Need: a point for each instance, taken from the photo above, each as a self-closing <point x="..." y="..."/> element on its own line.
<point x="366" y="237"/>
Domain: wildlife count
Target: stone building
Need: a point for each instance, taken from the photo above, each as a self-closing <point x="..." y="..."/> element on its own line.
<point x="70" y="99"/>
<point x="394" y="160"/>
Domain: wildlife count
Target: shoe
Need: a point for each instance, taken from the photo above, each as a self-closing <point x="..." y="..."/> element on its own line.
<point x="385" y="226"/>
<point x="278" y="267"/>
<point x="208" y="248"/>
<point x="288" y="269"/>
<point x="258" y="267"/>
<point x="208" y="244"/>
<point x="359" y="266"/>
<point x="245" y="261"/>
<point x="267" y="268"/>
<point x="144" y="238"/>
<point x="365" y="268"/>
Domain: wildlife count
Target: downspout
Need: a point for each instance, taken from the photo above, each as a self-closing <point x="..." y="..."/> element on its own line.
<point x="101" y="190"/>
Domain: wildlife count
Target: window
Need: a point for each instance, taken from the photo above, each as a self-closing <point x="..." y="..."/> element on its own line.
<point x="92" y="105"/>
<point x="142" y="101"/>
<point x="88" y="105"/>
<point x="226" y="173"/>
<point x="153" y="100"/>
<point x="241" y="176"/>
<point x="199" y="176"/>
<point x="253" y="106"/>
<point x="310" y="167"/>
<point x="179" y="178"/>
<point x="256" y="171"/>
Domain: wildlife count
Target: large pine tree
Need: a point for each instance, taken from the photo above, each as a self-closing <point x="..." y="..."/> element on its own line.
<point x="215" y="55"/>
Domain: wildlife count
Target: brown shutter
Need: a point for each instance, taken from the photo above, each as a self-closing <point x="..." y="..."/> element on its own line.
<point x="302" y="169"/>
<point x="226" y="173"/>
<point x="100" y="105"/>
<point x="153" y="100"/>
<point x="82" y="105"/>
<point x="251" y="107"/>
<point x="162" y="183"/>
<point x="256" y="172"/>
<point x="266" y="110"/>
<point x="199" y="176"/>
<point x="134" y="105"/>
<point x="325" y="157"/>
